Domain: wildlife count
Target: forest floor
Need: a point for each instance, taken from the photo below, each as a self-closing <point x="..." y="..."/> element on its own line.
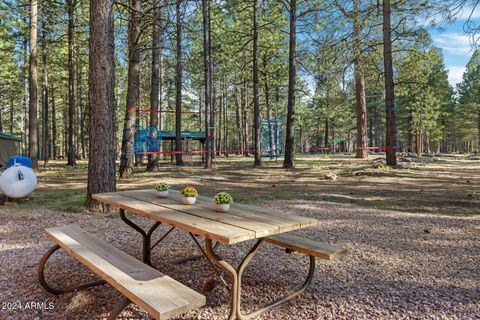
<point x="444" y="185"/>
<point x="412" y="236"/>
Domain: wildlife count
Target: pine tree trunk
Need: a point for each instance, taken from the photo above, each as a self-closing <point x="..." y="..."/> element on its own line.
<point x="212" y="89"/>
<point x="71" y="85"/>
<point x="256" y="94"/>
<point x="327" y="133"/>
<point x="65" y="129"/>
<point x="244" y="119"/>
<point x="361" y="106"/>
<point x="79" y="106"/>
<point x="26" y="103"/>
<point x="12" y="109"/>
<point x="418" y="150"/>
<point x="101" y="164"/>
<point x="288" y="161"/>
<point x="411" y="146"/>
<point x="1" y="119"/>
<point x="220" y="122"/>
<point x="54" y="127"/>
<point x="178" y="85"/>
<point x="225" y="120"/>
<point x="238" y="126"/>
<point x="32" y="111"/>
<point x="207" y="77"/>
<point x="83" y="131"/>
<point x="133" y="91"/>
<point x="269" y="108"/>
<point x="391" y="130"/>
<point x="45" y="99"/>
<point x="360" y="98"/>
<point x="370" y="126"/>
<point x="378" y="126"/>
<point x="478" y="131"/>
<point x="155" y="81"/>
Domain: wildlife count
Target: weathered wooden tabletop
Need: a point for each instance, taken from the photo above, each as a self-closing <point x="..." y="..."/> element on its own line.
<point x="241" y="223"/>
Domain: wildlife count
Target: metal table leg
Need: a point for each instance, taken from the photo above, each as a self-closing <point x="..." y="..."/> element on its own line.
<point x="147" y="236"/>
<point x="236" y="278"/>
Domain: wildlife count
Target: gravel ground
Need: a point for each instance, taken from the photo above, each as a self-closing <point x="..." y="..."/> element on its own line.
<point x="399" y="266"/>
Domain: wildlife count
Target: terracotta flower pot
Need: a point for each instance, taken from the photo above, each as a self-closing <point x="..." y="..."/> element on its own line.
<point x="189" y="200"/>
<point x="221" y="207"/>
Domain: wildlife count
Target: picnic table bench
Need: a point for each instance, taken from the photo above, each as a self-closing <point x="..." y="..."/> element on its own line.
<point x="161" y="296"/>
<point x="241" y="223"/>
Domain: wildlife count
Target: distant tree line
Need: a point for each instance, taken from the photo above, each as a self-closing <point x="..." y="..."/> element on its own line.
<point x="356" y="76"/>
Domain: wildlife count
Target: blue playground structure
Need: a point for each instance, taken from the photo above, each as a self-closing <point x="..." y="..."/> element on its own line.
<point x="144" y="142"/>
<point x="271" y="133"/>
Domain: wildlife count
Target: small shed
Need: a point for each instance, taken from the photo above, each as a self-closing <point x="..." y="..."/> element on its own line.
<point x="9" y="146"/>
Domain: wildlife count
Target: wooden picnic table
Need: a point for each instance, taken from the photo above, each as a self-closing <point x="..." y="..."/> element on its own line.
<point x="240" y="223"/>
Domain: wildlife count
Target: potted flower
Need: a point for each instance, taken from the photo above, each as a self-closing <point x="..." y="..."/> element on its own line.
<point x="189" y="195"/>
<point x="222" y="201"/>
<point x="161" y="189"/>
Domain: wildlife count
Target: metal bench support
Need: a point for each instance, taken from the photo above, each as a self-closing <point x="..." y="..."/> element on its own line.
<point x="47" y="287"/>
<point x="41" y="278"/>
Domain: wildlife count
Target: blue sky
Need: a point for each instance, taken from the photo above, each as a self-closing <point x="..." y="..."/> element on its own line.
<point x="455" y="44"/>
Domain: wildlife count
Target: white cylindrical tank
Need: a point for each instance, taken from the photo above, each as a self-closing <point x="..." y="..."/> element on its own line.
<point x="18" y="181"/>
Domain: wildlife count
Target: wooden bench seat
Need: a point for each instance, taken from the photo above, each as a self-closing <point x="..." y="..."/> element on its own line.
<point x="161" y="296"/>
<point x="307" y="246"/>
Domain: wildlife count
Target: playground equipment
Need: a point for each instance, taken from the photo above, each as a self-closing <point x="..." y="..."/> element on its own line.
<point x="271" y="133"/>
<point x="19" y="180"/>
<point x="145" y="140"/>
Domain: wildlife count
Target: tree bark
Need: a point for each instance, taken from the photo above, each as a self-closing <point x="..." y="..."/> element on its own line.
<point x="220" y="121"/>
<point x="391" y="130"/>
<point x="133" y="91"/>
<point x="207" y="77"/>
<point x="238" y="126"/>
<point x="361" y="107"/>
<point x="288" y="161"/>
<point x="244" y="119"/>
<point x="54" y="127"/>
<point x="71" y="161"/>
<point x="256" y="94"/>
<point x="478" y="131"/>
<point x="1" y="119"/>
<point x="155" y="81"/>
<point x="271" y="131"/>
<point x="326" y="142"/>
<point x="360" y="98"/>
<point x="80" y="114"/>
<point x="46" y="138"/>
<point x="101" y="164"/>
<point x="178" y="85"/>
<point x="12" y="109"/>
<point x="32" y="111"/>
<point x="26" y="103"/>
<point x="225" y="119"/>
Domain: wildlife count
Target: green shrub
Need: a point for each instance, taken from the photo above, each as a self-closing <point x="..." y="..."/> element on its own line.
<point x="223" y="198"/>
<point x="162" y="186"/>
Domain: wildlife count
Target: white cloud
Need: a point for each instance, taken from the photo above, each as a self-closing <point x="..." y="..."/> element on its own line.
<point x="455" y="74"/>
<point x="453" y="43"/>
